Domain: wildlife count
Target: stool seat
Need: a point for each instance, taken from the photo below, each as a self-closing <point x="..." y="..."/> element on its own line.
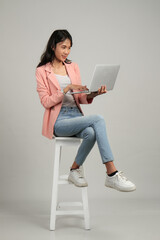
<point x="56" y="206"/>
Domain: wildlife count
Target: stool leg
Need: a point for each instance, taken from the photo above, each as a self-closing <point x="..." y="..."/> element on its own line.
<point x="85" y="207"/>
<point x="60" y="151"/>
<point x="55" y="187"/>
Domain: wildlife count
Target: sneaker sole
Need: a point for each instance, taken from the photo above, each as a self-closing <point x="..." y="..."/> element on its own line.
<point x="122" y="190"/>
<point x="84" y="185"/>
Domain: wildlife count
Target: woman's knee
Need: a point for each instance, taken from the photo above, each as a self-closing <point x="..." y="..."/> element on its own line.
<point x="98" y="117"/>
<point x="89" y="133"/>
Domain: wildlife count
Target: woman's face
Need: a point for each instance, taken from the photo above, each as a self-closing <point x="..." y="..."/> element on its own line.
<point x="62" y="50"/>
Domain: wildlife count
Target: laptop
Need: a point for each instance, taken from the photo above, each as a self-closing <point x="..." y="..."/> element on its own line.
<point x="103" y="74"/>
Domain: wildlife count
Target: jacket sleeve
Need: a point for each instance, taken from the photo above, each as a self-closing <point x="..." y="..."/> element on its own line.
<point x="47" y="99"/>
<point x="82" y="96"/>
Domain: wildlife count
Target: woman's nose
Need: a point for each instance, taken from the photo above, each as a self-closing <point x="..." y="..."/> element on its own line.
<point x="66" y="51"/>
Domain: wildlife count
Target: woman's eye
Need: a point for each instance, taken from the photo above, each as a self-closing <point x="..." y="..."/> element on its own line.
<point x="65" y="47"/>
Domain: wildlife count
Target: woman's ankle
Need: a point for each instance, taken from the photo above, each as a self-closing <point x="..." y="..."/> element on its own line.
<point x="110" y="167"/>
<point x="74" y="165"/>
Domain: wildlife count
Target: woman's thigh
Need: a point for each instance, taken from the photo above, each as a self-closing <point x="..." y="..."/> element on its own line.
<point x="72" y="126"/>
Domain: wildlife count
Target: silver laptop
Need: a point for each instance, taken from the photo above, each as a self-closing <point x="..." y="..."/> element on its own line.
<point x="103" y="74"/>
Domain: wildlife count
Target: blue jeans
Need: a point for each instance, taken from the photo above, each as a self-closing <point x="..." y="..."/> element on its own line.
<point x="71" y="122"/>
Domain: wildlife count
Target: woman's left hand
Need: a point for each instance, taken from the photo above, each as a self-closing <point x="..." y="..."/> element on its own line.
<point x="102" y="90"/>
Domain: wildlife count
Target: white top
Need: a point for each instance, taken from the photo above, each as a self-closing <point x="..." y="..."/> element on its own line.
<point x="68" y="99"/>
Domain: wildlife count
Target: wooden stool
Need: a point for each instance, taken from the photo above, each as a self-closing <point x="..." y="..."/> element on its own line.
<point x="63" y="179"/>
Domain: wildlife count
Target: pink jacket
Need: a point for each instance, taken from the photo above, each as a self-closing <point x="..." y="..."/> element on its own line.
<point x="51" y="96"/>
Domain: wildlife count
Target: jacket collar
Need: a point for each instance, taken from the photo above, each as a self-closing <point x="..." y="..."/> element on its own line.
<point x="52" y="76"/>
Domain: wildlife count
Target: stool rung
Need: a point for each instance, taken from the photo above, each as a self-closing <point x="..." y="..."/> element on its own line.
<point x="63" y="182"/>
<point x="63" y="179"/>
<point x="76" y="204"/>
<point x="70" y="212"/>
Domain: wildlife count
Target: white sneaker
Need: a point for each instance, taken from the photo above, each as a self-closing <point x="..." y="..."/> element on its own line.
<point x="119" y="182"/>
<point x="76" y="176"/>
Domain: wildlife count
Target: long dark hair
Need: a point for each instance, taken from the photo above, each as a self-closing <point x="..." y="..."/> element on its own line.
<point x="57" y="36"/>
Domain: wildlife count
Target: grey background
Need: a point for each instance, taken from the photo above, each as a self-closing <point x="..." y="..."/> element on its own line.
<point x="124" y="32"/>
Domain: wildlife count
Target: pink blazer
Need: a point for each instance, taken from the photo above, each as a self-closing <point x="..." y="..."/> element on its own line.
<point x="51" y="96"/>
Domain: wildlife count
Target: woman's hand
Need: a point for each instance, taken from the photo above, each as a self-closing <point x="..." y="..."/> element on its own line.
<point x="100" y="91"/>
<point x="75" y="87"/>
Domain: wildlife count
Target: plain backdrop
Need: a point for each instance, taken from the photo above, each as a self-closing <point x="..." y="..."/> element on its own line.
<point x="103" y="31"/>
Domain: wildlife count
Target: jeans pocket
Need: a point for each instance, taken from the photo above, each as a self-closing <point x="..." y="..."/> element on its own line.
<point x="63" y="111"/>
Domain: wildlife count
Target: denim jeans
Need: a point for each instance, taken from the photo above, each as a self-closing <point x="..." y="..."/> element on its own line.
<point x="71" y="122"/>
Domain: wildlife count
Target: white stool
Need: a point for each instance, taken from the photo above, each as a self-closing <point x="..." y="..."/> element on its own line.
<point x="63" y="179"/>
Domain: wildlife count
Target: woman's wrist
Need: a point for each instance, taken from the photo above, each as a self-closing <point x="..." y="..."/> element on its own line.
<point x="92" y="95"/>
<point x="66" y="89"/>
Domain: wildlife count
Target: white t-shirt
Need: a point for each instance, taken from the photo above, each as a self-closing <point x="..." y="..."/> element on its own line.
<point x="68" y="99"/>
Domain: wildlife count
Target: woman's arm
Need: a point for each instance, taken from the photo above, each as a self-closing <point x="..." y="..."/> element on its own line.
<point x="47" y="99"/>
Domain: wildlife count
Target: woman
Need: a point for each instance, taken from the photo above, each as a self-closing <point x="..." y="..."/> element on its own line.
<point x="57" y="77"/>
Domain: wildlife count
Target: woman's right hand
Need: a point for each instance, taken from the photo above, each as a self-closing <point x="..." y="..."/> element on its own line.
<point x="76" y="87"/>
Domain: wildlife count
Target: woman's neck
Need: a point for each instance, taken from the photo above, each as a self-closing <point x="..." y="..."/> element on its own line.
<point x="57" y="64"/>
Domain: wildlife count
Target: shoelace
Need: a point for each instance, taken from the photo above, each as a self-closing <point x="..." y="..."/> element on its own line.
<point x="122" y="176"/>
<point x="80" y="172"/>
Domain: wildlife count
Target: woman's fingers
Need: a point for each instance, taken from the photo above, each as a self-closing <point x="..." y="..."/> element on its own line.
<point x="79" y="87"/>
<point x="83" y="88"/>
<point x="102" y="90"/>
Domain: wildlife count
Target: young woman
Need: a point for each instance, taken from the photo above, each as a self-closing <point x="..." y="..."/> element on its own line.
<point x="57" y="77"/>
